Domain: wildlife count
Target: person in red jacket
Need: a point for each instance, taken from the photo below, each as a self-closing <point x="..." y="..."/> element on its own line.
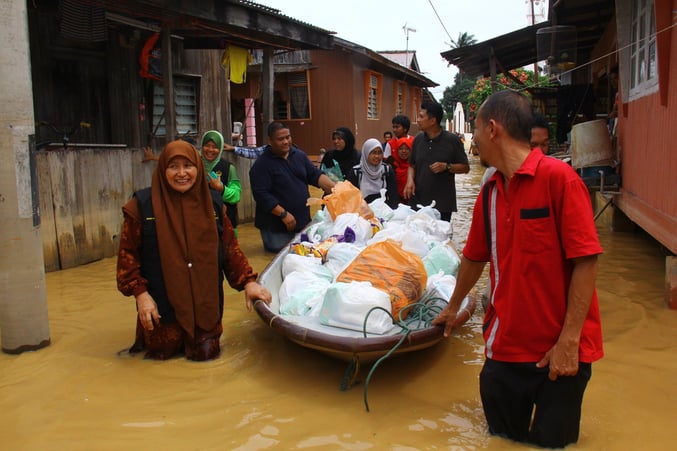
<point x="399" y="160"/>
<point x="533" y="222"/>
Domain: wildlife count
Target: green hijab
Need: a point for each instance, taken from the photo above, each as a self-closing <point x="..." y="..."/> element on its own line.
<point x="211" y="135"/>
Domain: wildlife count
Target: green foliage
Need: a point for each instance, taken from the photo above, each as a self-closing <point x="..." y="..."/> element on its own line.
<point x="483" y="89"/>
<point x="459" y="92"/>
<point x="464" y="40"/>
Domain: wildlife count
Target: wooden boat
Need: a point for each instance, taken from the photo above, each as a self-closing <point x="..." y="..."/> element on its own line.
<point x="344" y="344"/>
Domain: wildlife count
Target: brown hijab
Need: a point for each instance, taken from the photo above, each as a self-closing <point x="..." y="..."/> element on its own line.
<point x="188" y="242"/>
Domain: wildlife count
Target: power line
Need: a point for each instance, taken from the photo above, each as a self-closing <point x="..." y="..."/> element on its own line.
<point x="440" y="19"/>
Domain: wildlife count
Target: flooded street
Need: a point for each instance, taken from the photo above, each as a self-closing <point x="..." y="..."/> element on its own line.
<point x="266" y="393"/>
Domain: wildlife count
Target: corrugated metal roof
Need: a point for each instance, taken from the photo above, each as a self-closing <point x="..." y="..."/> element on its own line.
<point x="205" y="24"/>
<point x="518" y="48"/>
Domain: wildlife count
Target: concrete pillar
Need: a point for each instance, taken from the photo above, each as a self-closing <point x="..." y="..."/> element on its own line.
<point x="23" y="297"/>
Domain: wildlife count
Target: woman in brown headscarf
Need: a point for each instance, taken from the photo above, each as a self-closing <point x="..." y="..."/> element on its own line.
<point x="176" y="245"/>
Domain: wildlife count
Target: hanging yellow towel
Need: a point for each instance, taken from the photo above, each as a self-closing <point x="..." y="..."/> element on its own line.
<point x="235" y="61"/>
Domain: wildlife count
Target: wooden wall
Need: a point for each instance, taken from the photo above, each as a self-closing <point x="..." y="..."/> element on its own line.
<point x="215" y="113"/>
<point x="646" y="145"/>
<point x="81" y="194"/>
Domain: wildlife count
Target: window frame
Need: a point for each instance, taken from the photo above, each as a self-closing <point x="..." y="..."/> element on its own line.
<point x="159" y="131"/>
<point x="642" y="49"/>
<point x="416" y="94"/>
<point x="290" y="85"/>
<point x="400" y="97"/>
<point x="378" y="94"/>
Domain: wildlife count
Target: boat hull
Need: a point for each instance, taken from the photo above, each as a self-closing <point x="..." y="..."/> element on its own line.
<point x="340" y="343"/>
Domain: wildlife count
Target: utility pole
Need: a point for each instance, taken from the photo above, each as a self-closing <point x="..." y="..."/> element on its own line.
<point x="533" y="22"/>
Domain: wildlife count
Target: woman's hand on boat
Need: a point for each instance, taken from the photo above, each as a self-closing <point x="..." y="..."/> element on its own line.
<point x="254" y="291"/>
<point x="147" y="309"/>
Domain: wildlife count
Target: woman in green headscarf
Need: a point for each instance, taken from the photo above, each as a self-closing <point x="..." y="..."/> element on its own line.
<point x="221" y="174"/>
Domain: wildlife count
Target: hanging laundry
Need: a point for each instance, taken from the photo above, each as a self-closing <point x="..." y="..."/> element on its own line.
<point x="235" y="61"/>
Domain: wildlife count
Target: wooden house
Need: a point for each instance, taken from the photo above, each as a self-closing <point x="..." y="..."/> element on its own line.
<point x="101" y="72"/>
<point x="639" y="39"/>
<point x="318" y="90"/>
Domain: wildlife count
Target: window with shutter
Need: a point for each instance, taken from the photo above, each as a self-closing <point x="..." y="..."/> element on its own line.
<point x="400" y="98"/>
<point x="373" y="84"/>
<point x="185" y="103"/>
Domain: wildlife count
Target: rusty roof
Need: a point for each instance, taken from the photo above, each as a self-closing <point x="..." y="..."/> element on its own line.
<point x="518" y="48"/>
<point x="204" y="24"/>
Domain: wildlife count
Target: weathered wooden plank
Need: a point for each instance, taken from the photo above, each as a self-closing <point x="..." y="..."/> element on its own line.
<point x="61" y="166"/>
<point x="88" y="179"/>
<point x="50" y="248"/>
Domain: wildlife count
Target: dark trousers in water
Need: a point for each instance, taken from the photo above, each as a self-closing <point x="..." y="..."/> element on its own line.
<point x="522" y="404"/>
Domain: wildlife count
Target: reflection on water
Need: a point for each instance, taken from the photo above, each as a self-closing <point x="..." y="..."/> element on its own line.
<point x="267" y="393"/>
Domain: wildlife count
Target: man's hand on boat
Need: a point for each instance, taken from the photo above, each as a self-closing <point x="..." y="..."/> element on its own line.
<point x="449" y="318"/>
<point x="254" y="291"/>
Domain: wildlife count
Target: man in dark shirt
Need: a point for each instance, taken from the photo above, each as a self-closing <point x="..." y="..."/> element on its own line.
<point x="435" y="157"/>
<point x="279" y="180"/>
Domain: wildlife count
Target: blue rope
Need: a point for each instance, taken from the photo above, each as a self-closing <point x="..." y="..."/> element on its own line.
<point x="420" y="317"/>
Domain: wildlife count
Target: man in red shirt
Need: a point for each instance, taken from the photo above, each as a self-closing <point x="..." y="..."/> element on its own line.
<point x="533" y="223"/>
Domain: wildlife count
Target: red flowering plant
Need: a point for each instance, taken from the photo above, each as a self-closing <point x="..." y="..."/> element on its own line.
<point x="482" y="88"/>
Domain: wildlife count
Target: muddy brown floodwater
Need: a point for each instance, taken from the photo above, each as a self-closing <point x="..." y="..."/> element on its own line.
<point x="266" y="393"/>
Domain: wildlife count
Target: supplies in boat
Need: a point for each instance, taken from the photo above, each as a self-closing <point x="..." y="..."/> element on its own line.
<point x="359" y="260"/>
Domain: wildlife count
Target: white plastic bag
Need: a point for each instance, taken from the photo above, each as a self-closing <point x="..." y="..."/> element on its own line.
<point x="429" y="210"/>
<point x="410" y="240"/>
<point x="357" y="223"/>
<point x="346" y="305"/>
<point x="318" y="230"/>
<point x="380" y="208"/>
<point x="300" y="292"/>
<point x="424" y="223"/>
<point x="442" y="257"/>
<point x="305" y="263"/>
<point x="439" y="288"/>
<point x="339" y="257"/>
<point x="401" y="213"/>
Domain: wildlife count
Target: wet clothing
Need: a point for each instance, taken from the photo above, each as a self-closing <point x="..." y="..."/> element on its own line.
<point x="509" y="392"/>
<point x="530" y="234"/>
<point x="225" y="171"/>
<point x="445" y="147"/>
<point x="547" y="222"/>
<point x="178" y="254"/>
<point x="232" y="191"/>
<point x="279" y="181"/>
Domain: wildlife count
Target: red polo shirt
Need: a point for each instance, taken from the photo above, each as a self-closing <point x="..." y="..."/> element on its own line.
<point x="537" y="227"/>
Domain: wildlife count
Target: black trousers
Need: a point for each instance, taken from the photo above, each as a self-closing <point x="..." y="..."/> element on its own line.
<point x="522" y="404"/>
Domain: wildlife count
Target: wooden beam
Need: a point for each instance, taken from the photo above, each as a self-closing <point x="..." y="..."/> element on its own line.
<point x="659" y="225"/>
<point x="268" y="80"/>
<point x="167" y="77"/>
<point x="492" y="70"/>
